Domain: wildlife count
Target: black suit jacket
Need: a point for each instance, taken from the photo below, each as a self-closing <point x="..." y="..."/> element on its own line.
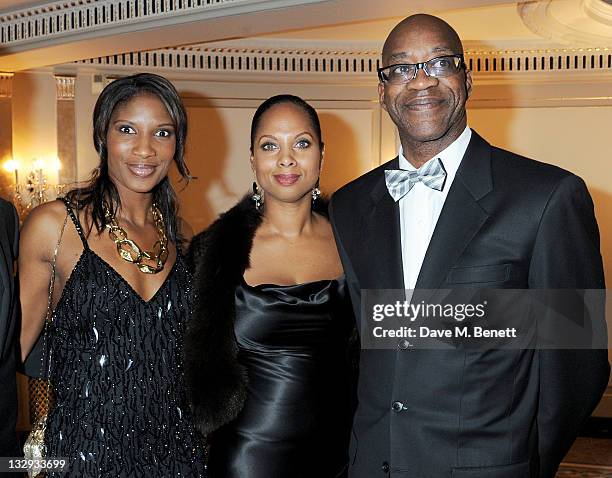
<point x="9" y="232"/>
<point x="508" y="222"/>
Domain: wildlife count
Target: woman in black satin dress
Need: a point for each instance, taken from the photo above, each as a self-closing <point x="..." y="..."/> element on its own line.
<point x="267" y="351"/>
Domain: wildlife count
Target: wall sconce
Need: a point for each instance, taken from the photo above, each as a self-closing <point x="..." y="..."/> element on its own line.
<point x="42" y="176"/>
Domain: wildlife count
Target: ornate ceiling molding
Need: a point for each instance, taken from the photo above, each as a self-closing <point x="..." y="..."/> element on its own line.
<point x="337" y="62"/>
<point x="303" y="60"/>
<point x="570" y="22"/>
<point x="599" y="10"/>
<point x="64" y="31"/>
<point x="63" y="20"/>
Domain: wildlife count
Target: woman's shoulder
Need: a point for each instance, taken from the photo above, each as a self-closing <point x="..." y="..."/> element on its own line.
<point x="46" y="217"/>
<point x="41" y="229"/>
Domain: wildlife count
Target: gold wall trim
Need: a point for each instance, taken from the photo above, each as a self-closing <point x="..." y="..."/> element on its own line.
<point x="6" y="85"/>
<point x="65" y="87"/>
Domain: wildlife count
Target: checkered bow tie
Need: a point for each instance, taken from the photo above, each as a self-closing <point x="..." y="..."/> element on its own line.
<point x="400" y="181"/>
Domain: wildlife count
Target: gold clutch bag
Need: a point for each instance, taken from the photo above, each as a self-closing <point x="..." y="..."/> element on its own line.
<point x="34" y="447"/>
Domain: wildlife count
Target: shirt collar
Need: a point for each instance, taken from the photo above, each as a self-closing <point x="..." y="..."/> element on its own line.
<point x="451" y="157"/>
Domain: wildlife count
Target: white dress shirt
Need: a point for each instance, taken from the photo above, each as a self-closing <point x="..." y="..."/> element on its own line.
<point x="420" y="208"/>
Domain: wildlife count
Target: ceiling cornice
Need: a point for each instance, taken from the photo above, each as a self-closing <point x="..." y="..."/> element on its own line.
<point x="335" y="62"/>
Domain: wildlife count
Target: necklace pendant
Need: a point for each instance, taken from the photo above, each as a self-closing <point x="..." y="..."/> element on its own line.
<point x="130" y="251"/>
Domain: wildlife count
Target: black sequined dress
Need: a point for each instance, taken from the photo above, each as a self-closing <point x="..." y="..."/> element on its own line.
<point x="117" y="376"/>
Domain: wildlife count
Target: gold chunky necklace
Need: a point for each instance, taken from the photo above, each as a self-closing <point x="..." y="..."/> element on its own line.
<point x="148" y="262"/>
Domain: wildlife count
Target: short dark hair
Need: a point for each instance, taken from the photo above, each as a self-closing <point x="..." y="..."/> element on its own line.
<point x="313" y="117"/>
<point x="100" y="187"/>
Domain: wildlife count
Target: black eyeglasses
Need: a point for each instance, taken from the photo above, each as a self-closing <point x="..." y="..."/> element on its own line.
<point x="439" y="67"/>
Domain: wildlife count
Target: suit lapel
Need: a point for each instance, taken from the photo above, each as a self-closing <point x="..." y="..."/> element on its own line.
<point x="462" y="215"/>
<point x="381" y="230"/>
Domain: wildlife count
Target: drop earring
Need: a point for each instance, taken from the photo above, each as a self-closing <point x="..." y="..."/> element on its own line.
<point x="316" y="192"/>
<point x="256" y="197"/>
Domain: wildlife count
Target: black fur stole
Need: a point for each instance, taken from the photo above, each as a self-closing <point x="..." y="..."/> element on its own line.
<point x="216" y="382"/>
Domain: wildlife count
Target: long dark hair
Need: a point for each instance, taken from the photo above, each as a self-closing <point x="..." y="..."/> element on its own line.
<point x="100" y="187"/>
<point x="313" y="117"/>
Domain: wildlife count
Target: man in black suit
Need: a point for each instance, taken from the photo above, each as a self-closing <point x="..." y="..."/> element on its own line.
<point x="9" y="232"/>
<point x="475" y="216"/>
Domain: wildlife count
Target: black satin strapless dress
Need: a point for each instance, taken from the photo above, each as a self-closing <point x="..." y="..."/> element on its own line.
<point x="296" y="421"/>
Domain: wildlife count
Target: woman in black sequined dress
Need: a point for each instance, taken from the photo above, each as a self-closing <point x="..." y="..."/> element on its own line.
<point x="115" y="340"/>
<point x="267" y="361"/>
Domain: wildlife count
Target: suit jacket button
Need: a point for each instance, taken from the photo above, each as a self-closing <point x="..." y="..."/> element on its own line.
<point x="403" y="344"/>
<point x="385" y="467"/>
<point x="397" y="406"/>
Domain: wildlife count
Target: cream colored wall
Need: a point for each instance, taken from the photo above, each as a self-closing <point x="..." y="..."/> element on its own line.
<point x="85" y="100"/>
<point x="34" y="117"/>
<point x="6" y="145"/>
